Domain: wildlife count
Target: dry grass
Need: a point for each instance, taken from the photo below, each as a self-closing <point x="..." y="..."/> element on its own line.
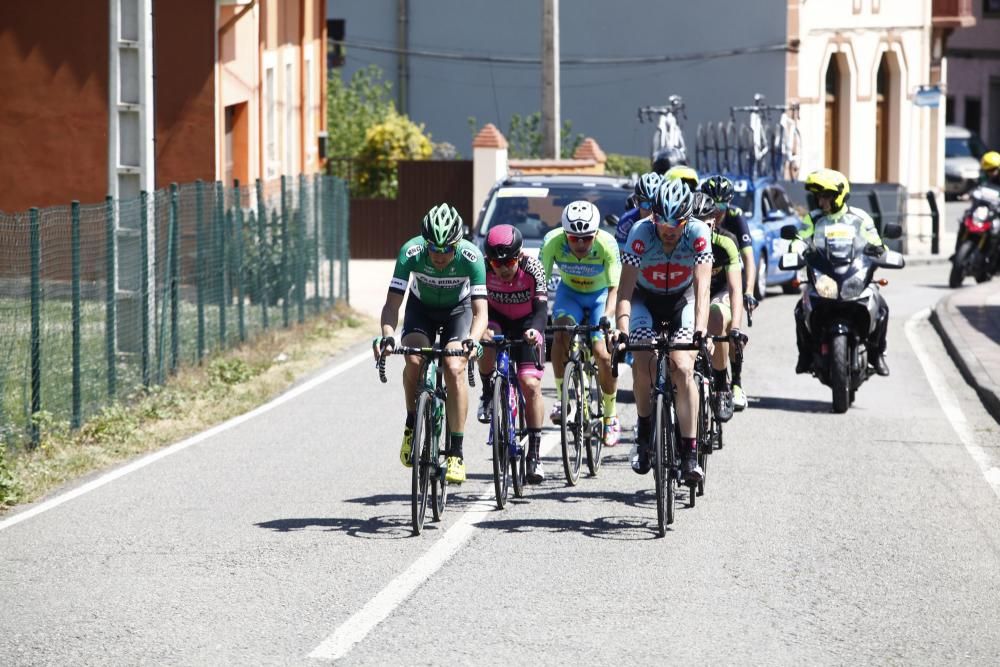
<point x="197" y="398"/>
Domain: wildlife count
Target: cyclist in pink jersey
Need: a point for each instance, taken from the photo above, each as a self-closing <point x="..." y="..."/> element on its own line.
<point x="517" y="297"/>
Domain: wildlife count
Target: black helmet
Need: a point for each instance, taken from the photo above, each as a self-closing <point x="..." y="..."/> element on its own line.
<point x="704" y="206"/>
<point x="503" y="242"/>
<point x="665" y="159"/>
<point x="719" y="188"/>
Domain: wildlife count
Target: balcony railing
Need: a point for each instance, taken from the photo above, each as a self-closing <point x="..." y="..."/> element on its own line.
<point x="952" y="14"/>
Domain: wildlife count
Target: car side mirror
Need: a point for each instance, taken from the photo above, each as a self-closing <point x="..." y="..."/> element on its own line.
<point x="789" y="232"/>
<point x="611" y="219"/>
<point x="892" y="231"/>
<point x="790" y="261"/>
<point x="891" y="259"/>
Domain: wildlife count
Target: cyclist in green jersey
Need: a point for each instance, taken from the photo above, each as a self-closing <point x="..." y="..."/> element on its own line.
<point x="447" y="292"/>
<point x="590" y="267"/>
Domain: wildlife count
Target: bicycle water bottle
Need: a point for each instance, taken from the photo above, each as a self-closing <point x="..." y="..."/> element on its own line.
<point x="431" y="375"/>
<point x="513" y="402"/>
<point x="438" y="417"/>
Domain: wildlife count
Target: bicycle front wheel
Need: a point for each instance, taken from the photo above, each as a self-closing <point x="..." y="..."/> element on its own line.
<point x="500" y="435"/>
<point x="595" y="427"/>
<point x="423" y="435"/>
<point x="572" y="400"/>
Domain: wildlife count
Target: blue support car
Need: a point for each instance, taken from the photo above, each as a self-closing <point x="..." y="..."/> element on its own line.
<point x="767" y="209"/>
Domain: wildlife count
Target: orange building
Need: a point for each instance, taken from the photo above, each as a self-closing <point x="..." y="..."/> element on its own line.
<point x="186" y="89"/>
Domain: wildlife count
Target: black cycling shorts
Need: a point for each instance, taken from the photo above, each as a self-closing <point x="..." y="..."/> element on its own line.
<point x="455" y="322"/>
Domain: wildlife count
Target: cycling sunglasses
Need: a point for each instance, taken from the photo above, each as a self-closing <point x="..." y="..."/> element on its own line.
<point x="577" y="239"/>
<point x="645" y="204"/>
<point x="722" y="205"/>
<point x="668" y="222"/>
<point x="440" y="249"/>
<point x="510" y="262"/>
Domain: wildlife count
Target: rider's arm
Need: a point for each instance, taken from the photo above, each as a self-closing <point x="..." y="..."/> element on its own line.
<point x="480" y="318"/>
<point x="397" y="288"/>
<point x="741" y="230"/>
<point x="540" y="297"/>
<point x="390" y="312"/>
<point x="702" y="278"/>
<point x="480" y="305"/>
<point x="623" y="306"/>
<point x="869" y="232"/>
<point x="608" y="249"/>
<point x="548" y="253"/>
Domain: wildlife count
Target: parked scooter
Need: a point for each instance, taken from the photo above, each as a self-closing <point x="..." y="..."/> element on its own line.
<point x="838" y="301"/>
<point x="977" y="249"/>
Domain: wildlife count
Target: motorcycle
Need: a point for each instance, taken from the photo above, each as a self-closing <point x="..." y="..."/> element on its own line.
<point x="976" y="249"/>
<point x="838" y="301"/>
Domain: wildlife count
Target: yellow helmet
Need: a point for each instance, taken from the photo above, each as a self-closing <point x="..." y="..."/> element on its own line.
<point x="990" y="161"/>
<point x="829" y="181"/>
<point x="683" y="173"/>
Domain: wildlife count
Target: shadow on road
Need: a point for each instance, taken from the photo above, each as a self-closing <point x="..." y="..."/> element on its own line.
<point x="790" y="404"/>
<point x="622" y="528"/>
<point x="376" y="527"/>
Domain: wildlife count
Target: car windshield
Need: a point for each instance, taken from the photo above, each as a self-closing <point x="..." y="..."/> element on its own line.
<point x="536" y="210"/>
<point x="964" y="147"/>
<point x="744" y="200"/>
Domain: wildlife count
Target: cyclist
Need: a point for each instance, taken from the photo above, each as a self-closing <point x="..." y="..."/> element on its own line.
<point x="665" y="279"/>
<point x="517" y="295"/>
<point x="640" y="205"/>
<point x="448" y="289"/>
<point x="730" y="218"/>
<point x="726" y="305"/>
<point x="828" y="193"/>
<point x="590" y="267"/>
<point x="666" y="158"/>
<point x="683" y="173"/>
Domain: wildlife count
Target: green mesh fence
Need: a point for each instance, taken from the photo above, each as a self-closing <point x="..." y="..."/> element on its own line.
<point x="82" y="324"/>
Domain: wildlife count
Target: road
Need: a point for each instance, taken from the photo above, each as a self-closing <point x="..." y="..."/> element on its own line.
<point x="867" y="537"/>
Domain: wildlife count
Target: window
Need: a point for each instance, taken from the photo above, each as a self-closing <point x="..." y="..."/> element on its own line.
<point x="270" y="123"/>
<point x="291" y="161"/>
<point x="973" y="114"/>
<point x="991" y="9"/>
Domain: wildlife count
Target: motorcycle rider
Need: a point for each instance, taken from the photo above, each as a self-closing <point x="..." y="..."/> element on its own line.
<point x="828" y="193"/>
<point x="990" y="170"/>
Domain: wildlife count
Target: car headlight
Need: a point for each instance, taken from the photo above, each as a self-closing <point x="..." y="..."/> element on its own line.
<point x="853" y="287"/>
<point x="826" y="286"/>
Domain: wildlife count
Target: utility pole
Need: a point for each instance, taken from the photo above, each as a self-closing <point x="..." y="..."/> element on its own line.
<point x="550" y="79"/>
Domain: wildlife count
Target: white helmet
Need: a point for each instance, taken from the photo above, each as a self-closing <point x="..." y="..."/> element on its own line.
<point x="581" y="218"/>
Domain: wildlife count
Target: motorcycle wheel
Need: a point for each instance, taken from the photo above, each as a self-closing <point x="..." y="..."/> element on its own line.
<point x="958" y="263"/>
<point x="840" y="373"/>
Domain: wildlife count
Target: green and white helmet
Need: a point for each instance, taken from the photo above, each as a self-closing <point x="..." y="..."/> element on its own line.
<point x="442" y="225"/>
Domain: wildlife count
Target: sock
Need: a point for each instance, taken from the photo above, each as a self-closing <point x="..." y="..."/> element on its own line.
<point x="558" y="387"/>
<point x="411" y="419"/>
<point x="720" y="379"/>
<point x="609" y="404"/>
<point x="534" y="442"/>
<point x="737" y="372"/>
<point x="645" y="426"/>
<point x="689" y="445"/>
<point x="455" y="449"/>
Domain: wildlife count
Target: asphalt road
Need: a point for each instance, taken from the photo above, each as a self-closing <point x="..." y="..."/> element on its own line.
<point x="869" y="537"/>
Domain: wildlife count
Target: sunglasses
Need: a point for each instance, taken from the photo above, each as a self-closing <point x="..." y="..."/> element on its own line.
<point x="645" y="205"/>
<point x="440" y="249"/>
<point x="579" y="239"/>
<point x="668" y="222"/>
<point x="510" y="262"/>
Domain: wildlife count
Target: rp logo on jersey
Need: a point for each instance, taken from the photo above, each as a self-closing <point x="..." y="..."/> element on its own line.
<point x="700" y="244"/>
<point x="638" y="247"/>
<point x="663" y="276"/>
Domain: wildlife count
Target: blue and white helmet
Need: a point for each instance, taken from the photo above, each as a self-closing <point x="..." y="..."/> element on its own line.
<point x="581" y="218"/>
<point x="673" y="200"/>
<point x="647" y="185"/>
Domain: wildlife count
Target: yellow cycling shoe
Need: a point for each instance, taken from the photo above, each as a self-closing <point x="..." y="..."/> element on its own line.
<point x="407" y="448"/>
<point x="456" y="470"/>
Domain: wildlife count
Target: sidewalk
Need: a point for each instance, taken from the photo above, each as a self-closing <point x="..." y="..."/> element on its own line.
<point x="369" y="281"/>
<point x="968" y="321"/>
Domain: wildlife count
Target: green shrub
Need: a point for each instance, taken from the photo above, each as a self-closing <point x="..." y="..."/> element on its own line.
<point x="386" y="143"/>
<point x="228" y="372"/>
<point x="626" y="165"/>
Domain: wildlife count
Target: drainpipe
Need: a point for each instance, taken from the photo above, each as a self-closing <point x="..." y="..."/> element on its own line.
<point x="403" y="44"/>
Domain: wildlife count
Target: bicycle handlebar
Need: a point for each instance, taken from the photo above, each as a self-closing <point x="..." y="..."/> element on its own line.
<point x="431" y="352"/>
<point x="662" y="343"/>
<point x="499" y="342"/>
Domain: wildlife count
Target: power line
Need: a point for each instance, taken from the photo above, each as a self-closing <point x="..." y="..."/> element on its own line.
<point x="525" y="60"/>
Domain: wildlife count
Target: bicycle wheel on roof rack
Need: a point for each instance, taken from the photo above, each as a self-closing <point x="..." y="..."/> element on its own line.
<point x="728" y="147"/>
<point x="712" y="149"/>
<point x="777" y="156"/>
<point x="746" y="161"/>
<point x="700" y="149"/>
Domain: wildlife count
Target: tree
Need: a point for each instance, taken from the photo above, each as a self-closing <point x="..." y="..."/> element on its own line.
<point x="524" y="136"/>
<point x="386" y="143"/>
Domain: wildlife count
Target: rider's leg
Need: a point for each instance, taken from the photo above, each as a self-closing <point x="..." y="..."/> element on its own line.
<point x="686" y="404"/>
<point x="643" y="371"/>
<point x="565" y="311"/>
<point x="719" y="323"/>
<point x="804" y="364"/>
<point x="530" y="379"/>
<point x="488" y="361"/>
<point x="877" y="342"/>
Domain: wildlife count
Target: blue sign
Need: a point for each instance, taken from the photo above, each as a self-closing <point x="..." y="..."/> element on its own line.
<point x="928" y="96"/>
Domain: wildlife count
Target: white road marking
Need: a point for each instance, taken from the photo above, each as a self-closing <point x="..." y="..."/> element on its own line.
<point x="184" y="444"/>
<point x="357" y="627"/>
<point x="949" y="403"/>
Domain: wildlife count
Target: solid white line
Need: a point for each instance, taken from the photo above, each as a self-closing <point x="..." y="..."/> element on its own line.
<point x="950" y="404"/>
<point x="184" y="444"/>
<point x="357" y="627"/>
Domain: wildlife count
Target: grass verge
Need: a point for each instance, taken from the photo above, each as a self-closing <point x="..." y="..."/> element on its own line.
<point x="227" y="384"/>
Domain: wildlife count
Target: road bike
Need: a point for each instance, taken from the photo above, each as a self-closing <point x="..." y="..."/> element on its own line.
<point x="582" y="426"/>
<point x="509" y="442"/>
<point x="665" y="438"/>
<point x="668" y="132"/>
<point x="768" y="149"/>
<point x="428" y="458"/>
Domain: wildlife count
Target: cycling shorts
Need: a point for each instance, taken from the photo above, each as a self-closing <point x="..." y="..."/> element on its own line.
<point x="649" y="310"/>
<point x="455" y="322"/>
<point x="514" y="330"/>
<point x="580" y="307"/>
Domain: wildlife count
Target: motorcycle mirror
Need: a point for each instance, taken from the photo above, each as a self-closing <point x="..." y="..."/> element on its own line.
<point x="891" y="259"/>
<point x="790" y="261"/>
<point x="892" y="231"/>
<point x="789" y="232"/>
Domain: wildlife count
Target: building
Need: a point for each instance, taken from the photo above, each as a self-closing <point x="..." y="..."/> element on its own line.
<point x="974" y="73"/>
<point x="118" y="96"/>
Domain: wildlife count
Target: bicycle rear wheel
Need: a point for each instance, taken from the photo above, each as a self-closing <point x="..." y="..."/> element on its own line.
<point x="423" y="434"/>
<point x="518" y="467"/>
<point x="728" y="147"/>
<point x="595" y="425"/>
<point x="500" y="435"/>
<point x="572" y="422"/>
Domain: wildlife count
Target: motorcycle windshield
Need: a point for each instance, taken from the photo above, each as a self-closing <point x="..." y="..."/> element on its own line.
<point x="839" y="242"/>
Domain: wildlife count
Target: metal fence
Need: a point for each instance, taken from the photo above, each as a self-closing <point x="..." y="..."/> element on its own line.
<point x="97" y="301"/>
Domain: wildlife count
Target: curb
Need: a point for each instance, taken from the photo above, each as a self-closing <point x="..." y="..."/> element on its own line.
<point x="926" y="260"/>
<point x="968" y="364"/>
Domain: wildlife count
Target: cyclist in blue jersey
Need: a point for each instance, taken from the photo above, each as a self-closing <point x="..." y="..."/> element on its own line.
<point x="666" y="273"/>
<point x="641" y="203"/>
